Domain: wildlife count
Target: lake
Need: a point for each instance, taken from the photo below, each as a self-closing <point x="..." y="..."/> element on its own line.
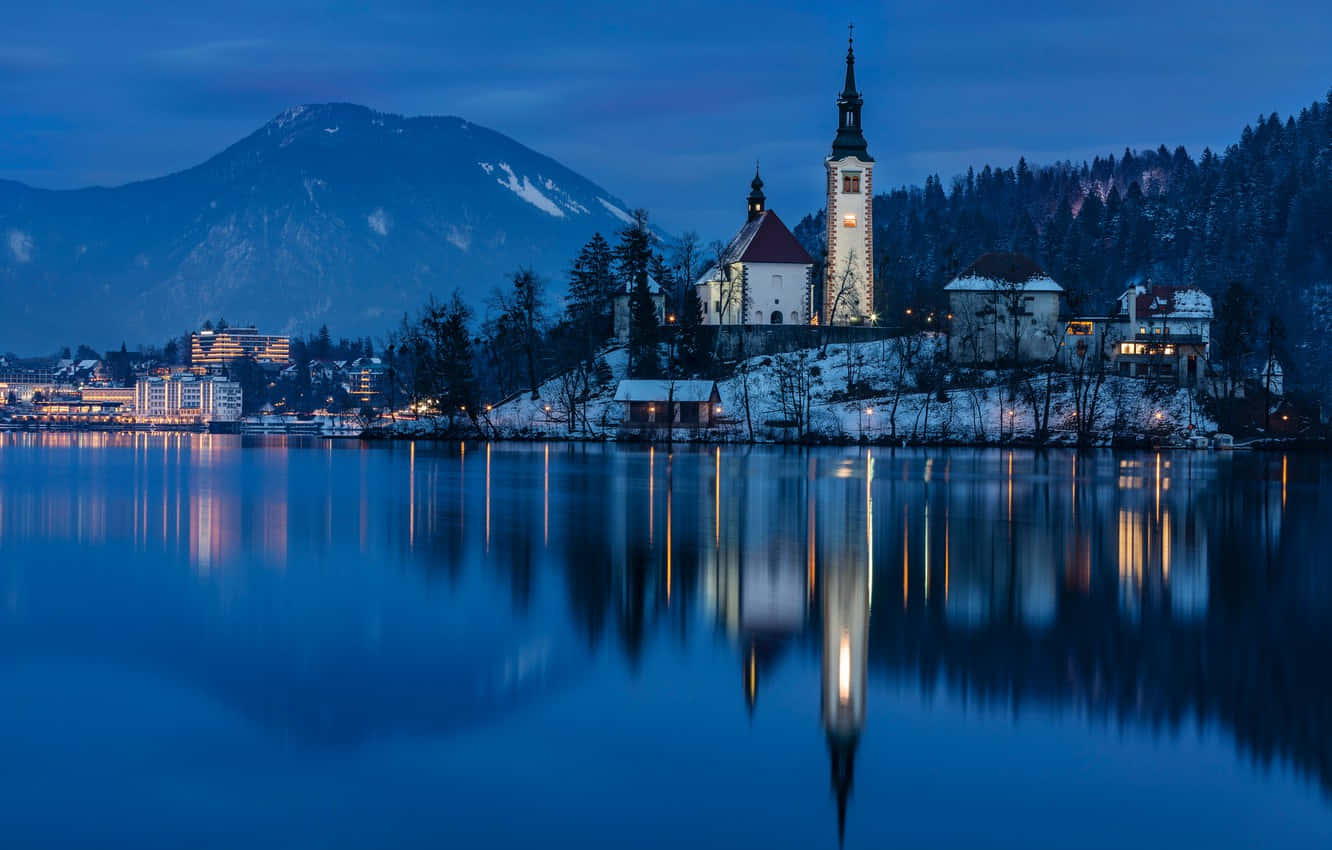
<point x="212" y="641"/>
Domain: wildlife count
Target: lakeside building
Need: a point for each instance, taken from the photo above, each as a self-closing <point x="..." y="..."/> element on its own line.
<point x="187" y="400"/>
<point x="123" y="396"/>
<point x="695" y="403"/>
<point x="211" y="348"/>
<point x="764" y="275"/>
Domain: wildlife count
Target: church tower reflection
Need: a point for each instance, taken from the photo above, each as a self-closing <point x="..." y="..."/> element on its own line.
<point x="845" y="645"/>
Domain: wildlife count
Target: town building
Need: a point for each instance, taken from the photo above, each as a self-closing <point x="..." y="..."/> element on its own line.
<point x="848" y="286"/>
<point x="213" y="348"/>
<point x="123" y="396"/>
<point x="764" y="275"/>
<point x="368" y="380"/>
<point x="1003" y="307"/>
<point x="696" y="403"/>
<point x="187" y="400"/>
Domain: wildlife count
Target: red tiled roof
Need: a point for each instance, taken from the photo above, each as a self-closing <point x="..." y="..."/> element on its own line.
<point x="772" y="242"/>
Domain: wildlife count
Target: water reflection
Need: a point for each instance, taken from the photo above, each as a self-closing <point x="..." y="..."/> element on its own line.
<point x="343" y="593"/>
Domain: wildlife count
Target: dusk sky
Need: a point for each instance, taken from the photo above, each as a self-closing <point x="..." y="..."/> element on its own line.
<point x="666" y="108"/>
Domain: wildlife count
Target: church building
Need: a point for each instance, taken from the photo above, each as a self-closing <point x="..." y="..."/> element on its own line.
<point x="848" y="285"/>
<point x="764" y="277"/>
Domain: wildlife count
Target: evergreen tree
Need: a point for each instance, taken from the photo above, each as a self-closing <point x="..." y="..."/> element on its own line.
<point x="643" y="331"/>
<point x="689" y="331"/>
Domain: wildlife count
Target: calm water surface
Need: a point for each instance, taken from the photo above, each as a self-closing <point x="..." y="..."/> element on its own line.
<point x="225" y="642"/>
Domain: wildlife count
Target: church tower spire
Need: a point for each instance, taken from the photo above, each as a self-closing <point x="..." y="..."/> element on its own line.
<point x="757" y="203"/>
<point x="850" y="139"/>
<point x="848" y="283"/>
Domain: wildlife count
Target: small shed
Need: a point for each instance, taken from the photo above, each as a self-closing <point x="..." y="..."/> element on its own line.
<point x="696" y="403"/>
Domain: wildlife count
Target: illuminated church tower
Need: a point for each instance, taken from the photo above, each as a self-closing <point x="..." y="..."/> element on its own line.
<point x="848" y="291"/>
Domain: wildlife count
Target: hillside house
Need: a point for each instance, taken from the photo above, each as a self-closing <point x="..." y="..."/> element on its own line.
<point x="1162" y="331"/>
<point x="624" y="298"/>
<point x="1003" y="307"/>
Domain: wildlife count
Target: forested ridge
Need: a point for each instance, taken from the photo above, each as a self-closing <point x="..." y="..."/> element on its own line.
<point x="1259" y="213"/>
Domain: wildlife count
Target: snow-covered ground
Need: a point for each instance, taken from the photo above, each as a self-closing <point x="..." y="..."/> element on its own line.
<point x="971" y="414"/>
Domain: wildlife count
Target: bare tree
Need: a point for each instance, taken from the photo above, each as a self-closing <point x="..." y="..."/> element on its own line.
<point x="905" y="348"/>
<point x="573" y="389"/>
<point x="1088" y="369"/>
<point x="845" y="301"/>
<point x="794" y="390"/>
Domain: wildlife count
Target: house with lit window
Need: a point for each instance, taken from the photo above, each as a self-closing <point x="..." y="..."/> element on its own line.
<point x="1163" y="331"/>
<point x="1003" y="307"/>
<point x="679" y="404"/>
<point x="764" y="275"/>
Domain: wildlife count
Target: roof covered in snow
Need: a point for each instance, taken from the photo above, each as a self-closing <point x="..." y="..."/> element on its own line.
<point x="763" y="240"/>
<point x="685" y="391"/>
<point x="1168" y="302"/>
<point x="1003" y="270"/>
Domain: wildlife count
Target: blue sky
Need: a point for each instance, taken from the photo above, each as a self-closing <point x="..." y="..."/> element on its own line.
<point x="667" y="106"/>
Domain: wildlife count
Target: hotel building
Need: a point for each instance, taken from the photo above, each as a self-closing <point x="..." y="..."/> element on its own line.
<point x="186" y="400"/>
<point x="218" y="348"/>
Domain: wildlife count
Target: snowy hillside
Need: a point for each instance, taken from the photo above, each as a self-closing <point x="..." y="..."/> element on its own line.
<point x="327" y="214"/>
<point x="981" y="414"/>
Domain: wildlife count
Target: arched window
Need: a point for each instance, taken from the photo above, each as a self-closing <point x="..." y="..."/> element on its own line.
<point x="758" y="317"/>
<point x="795" y="317"/>
<point x="776" y="281"/>
<point x="776" y="317"/>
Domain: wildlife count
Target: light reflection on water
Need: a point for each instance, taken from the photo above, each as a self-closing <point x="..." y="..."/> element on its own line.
<point x="552" y="617"/>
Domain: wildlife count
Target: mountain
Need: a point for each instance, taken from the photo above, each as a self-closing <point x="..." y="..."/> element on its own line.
<point x="1259" y="214"/>
<point x="330" y="214"/>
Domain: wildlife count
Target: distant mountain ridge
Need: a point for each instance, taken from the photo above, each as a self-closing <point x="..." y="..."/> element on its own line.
<point x="330" y="213"/>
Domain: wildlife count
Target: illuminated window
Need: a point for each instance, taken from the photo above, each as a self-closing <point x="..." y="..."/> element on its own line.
<point x="849" y="220"/>
<point x="1080" y="328"/>
<point x="851" y="183"/>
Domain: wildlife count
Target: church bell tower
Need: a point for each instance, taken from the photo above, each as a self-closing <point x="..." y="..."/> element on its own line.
<point x="848" y="289"/>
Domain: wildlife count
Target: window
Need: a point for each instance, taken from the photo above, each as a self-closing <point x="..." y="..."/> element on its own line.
<point x="1080" y="328"/>
<point x="776" y="300"/>
<point x="718" y="308"/>
<point x="795" y="318"/>
<point x="1142" y="330"/>
<point x="776" y="281"/>
<point x="849" y="220"/>
<point x="851" y="182"/>
<point x="705" y="308"/>
<point x="758" y="317"/>
<point x="776" y="318"/>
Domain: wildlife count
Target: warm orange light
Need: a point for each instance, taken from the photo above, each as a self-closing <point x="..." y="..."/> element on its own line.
<point x="844" y="668"/>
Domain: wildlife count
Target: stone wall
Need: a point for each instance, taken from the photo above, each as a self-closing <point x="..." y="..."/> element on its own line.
<point x="753" y="340"/>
